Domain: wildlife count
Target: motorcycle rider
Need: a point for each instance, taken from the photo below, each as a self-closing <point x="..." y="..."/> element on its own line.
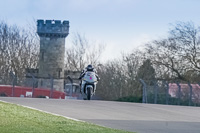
<point x="89" y="68"/>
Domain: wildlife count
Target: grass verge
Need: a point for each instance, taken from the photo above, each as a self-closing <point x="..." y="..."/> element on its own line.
<point x="18" y="119"/>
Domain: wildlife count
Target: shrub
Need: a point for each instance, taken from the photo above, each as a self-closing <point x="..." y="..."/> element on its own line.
<point x="3" y="94"/>
<point x="41" y="96"/>
<point x="130" y="99"/>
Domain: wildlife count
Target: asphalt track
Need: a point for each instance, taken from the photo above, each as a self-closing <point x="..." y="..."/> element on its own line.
<point x="142" y="118"/>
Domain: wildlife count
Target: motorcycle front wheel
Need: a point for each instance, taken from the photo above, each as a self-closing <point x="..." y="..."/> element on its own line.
<point x="89" y="93"/>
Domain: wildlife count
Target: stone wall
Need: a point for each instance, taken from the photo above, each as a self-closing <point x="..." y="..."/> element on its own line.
<point x="51" y="59"/>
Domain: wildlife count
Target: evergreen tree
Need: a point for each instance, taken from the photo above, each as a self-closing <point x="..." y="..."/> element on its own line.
<point x="146" y="71"/>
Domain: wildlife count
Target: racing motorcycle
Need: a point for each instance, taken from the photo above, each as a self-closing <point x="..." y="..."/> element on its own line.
<point x="89" y="82"/>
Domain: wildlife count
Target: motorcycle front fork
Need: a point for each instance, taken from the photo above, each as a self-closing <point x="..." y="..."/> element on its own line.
<point x="82" y="87"/>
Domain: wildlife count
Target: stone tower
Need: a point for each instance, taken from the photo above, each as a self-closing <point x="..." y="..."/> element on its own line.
<point x="52" y="35"/>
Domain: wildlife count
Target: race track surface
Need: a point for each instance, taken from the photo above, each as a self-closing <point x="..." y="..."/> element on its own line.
<point x="141" y="118"/>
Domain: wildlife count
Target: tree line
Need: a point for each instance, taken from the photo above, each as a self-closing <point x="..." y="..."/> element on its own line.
<point x="19" y="49"/>
<point x="175" y="57"/>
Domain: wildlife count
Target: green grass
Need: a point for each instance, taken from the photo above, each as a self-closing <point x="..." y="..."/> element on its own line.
<point x="18" y="119"/>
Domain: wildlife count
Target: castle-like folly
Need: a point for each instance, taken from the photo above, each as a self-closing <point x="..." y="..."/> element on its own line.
<point x="52" y="35"/>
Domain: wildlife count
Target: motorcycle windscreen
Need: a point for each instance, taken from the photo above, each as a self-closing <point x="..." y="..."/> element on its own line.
<point x="90" y="77"/>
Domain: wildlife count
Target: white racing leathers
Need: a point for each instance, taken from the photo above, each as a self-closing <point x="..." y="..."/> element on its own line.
<point x="88" y="86"/>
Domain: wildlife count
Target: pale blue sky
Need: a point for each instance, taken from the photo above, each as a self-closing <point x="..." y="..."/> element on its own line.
<point x="122" y="25"/>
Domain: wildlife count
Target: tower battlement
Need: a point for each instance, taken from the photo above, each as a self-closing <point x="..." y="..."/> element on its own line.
<point x="52" y="28"/>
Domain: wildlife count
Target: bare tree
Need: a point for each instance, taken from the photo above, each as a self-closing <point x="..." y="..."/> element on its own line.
<point x="132" y="62"/>
<point x="163" y="53"/>
<point x="18" y="51"/>
<point x="113" y="80"/>
<point x="187" y="39"/>
<point x="178" y="55"/>
<point x="82" y="53"/>
<point x="119" y="77"/>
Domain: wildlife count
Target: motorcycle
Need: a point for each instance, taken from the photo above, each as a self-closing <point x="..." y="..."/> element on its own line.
<point x="89" y="82"/>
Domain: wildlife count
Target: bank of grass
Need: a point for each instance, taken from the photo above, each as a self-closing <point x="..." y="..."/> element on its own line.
<point x="18" y="119"/>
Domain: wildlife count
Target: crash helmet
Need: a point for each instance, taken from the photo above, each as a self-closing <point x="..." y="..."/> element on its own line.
<point x="90" y="68"/>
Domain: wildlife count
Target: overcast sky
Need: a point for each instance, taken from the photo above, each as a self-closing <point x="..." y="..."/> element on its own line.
<point x="123" y="25"/>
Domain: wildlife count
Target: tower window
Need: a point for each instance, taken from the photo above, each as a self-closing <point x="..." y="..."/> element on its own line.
<point x="42" y="55"/>
<point x="41" y="83"/>
<point x="59" y="72"/>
